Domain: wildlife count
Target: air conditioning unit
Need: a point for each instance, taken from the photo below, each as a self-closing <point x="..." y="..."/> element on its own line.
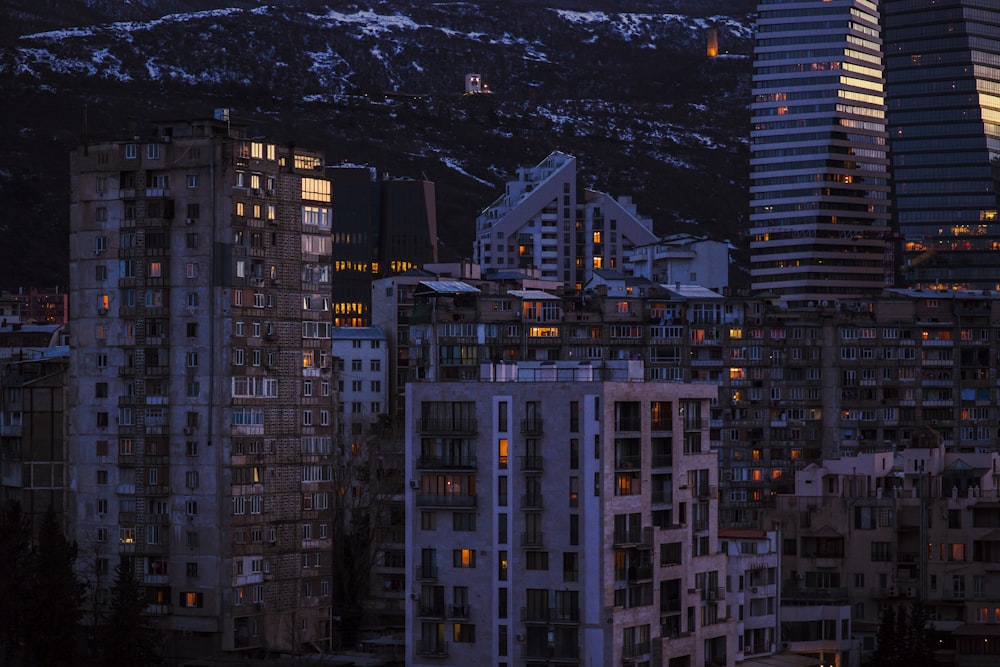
<point x="270" y="192"/>
<point x="519" y="637"/>
<point x="188" y="221"/>
<point x="257" y="192"/>
<point x="414" y="484"/>
<point x="188" y="430"/>
<point x="165" y="139"/>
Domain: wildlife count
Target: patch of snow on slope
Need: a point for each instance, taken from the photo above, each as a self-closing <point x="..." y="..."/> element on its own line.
<point x="72" y="66"/>
<point x="454" y="164"/>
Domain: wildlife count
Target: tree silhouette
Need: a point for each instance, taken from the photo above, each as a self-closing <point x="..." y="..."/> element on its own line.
<point x="129" y="639"/>
<point x="902" y="638"/>
<point x="366" y="482"/>
<point x="52" y="611"/>
<point x="15" y="543"/>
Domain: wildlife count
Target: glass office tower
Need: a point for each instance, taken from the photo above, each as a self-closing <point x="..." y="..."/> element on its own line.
<point x="943" y="92"/>
<point x="819" y="214"/>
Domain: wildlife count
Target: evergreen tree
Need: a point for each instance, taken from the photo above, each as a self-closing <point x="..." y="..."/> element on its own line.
<point x="15" y="543"/>
<point x="919" y="645"/>
<point x="52" y="619"/>
<point x="129" y="639"/>
<point x="887" y="649"/>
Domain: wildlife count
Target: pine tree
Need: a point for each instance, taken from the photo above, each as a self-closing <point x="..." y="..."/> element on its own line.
<point x="129" y="639"/>
<point x="52" y="628"/>
<point x="887" y="650"/>
<point x="919" y="645"/>
<point x="15" y="544"/>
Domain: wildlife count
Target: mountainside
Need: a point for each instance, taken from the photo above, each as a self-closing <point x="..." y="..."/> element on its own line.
<point x="626" y="87"/>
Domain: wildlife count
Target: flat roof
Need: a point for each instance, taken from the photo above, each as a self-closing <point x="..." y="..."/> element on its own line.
<point x="449" y="287"/>
<point x="781" y="660"/>
<point x="533" y="295"/>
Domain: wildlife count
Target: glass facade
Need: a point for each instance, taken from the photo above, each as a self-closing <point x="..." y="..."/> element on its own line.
<point x="819" y="188"/>
<point x="943" y="94"/>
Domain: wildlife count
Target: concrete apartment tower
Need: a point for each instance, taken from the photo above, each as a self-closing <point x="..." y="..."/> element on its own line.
<point x="818" y="183"/>
<point x="563" y="514"/>
<point x="942" y="63"/>
<point x="198" y="261"/>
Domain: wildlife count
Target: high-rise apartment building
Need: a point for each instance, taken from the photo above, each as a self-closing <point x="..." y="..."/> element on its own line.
<point x="543" y="221"/>
<point x="382" y="227"/>
<point x="200" y="301"/>
<point x="942" y="64"/>
<point x="818" y="184"/>
<point x="565" y="514"/>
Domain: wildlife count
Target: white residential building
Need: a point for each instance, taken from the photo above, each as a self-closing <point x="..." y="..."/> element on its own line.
<point x="544" y="221"/>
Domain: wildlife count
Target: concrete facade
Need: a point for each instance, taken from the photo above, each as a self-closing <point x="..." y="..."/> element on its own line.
<point x="200" y="296"/>
<point x="559" y="516"/>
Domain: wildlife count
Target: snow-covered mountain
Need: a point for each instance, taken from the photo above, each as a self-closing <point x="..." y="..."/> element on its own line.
<point x="625" y="86"/>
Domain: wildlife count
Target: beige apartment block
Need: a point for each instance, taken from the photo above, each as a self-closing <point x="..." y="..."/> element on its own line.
<point x="200" y="306"/>
<point x="883" y="529"/>
<point x="564" y="514"/>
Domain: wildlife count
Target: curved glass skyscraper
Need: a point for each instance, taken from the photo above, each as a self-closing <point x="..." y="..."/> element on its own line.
<point x="943" y="91"/>
<point x="819" y="208"/>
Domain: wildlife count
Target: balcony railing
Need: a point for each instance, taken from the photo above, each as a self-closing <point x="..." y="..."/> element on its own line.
<point x="531" y="463"/>
<point x="446" y="462"/>
<point x="635" y="651"/>
<point x="431" y="610"/>
<point x="427" y="572"/>
<point x="427" y="500"/>
<point x="531" y="426"/>
<point x="531" y="500"/>
<point x="463" y="426"/>
<point x="458" y="611"/>
<point x="432" y="649"/>
<point x="628" y="462"/>
<point x="533" y="539"/>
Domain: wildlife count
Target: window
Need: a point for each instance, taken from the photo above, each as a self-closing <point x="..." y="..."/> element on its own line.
<point x="537" y="560"/>
<point x="464" y="633"/>
<point x="191" y="600"/>
<point x="428" y="521"/>
<point x="464" y="558"/>
<point x="464" y="521"/>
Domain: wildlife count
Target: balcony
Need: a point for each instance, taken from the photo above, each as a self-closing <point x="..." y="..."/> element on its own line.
<point x="628" y="462"/>
<point x="427" y="572"/>
<point x="640" y="573"/>
<point x="426" y="500"/>
<point x="533" y="539"/>
<point x="431" y="610"/>
<point x="534" y="614"/>
<point x="663" y="460"/>
<point x="531" y="501"/>
<point x="531" y="426"/>
<point x="552" y="653"/>
<point x="447" y="426"/>
<point x="531" y="463"/>
<point x="446" y="463"/>
<point x="458" y="611"/>
<point x="432" y="649"/>
<point x="634" y="652"/>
